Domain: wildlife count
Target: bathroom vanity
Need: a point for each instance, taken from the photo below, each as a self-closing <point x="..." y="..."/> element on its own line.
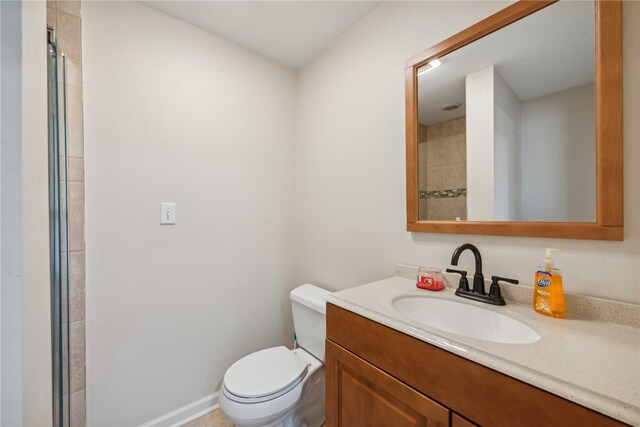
<point x="385" y="368"/>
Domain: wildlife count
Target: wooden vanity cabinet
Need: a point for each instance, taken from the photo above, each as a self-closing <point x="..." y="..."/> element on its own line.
<point x="366" y="396"/>
<point x="458" y="421"/>
<point x="377" y="376"/>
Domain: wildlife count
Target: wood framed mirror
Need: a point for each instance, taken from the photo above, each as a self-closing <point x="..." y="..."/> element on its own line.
<point x="551" y="163"/>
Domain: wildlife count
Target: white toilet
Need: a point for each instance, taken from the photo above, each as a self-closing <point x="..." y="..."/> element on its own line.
<point x="278" y="386"/>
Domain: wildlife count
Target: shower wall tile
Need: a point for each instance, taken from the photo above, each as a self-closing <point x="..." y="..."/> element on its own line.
<point x="437" y="210"/>
<point x="51" y="16"/>
<point x="78" y="409"/>
<point x="77" y="350"/>
<point x="68" y="35"/>
<point x="458" y="149"/>
<point x="454" y="127"/>
<point x="460" y="207"/>
<point x="76" y="216"/>
<point x="76" y="286"/>
<point x="456" y="177"/>
<point x="447" y="209"/>
<point x="423" y="213"/>
<point x="446" y="169"/>
<point x="71" y="7"/>
<point x="434" y="131"/>
<point x="75" y="127"/>
<point x="75" y="169"/>
<point x="437" y="178"/>
<point x="438" y="153"/>
<point x="422" y="171"/>
<point x="422" y="133"/>
<point x="74" y="72"/>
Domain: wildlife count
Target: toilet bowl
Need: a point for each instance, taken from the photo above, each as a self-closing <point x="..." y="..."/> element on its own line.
<point x="277" y="386"/>
<point x="250" y="400"/>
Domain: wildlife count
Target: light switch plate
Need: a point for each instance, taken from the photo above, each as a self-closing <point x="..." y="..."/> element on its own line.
<point x="167" y="213"/>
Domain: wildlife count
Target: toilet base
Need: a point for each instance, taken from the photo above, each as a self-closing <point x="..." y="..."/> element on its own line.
<point x="308" y="411"/>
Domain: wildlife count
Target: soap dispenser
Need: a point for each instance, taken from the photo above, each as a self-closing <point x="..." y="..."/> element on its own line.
<point x="548" y="296"/>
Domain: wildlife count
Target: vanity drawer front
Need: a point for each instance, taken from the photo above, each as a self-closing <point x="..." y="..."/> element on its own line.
<point x="361" y="395"/>
<point x="480" y="394"/>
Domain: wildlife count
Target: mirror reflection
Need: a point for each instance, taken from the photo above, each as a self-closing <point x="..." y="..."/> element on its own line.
<point x="506" y="124"/>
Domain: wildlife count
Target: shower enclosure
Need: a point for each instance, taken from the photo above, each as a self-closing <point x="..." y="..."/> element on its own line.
<point x="59" y="231"/>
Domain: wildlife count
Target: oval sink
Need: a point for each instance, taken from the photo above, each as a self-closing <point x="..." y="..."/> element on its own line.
<point x="465" y="319"/>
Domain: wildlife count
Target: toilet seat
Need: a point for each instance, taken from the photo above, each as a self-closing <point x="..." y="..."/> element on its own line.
<point x="264" y="375"/>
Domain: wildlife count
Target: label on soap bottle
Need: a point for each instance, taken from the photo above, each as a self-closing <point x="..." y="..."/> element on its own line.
<point x="543" y="279"/>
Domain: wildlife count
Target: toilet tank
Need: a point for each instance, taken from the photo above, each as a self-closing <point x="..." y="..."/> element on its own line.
<point x="309" y="314"/>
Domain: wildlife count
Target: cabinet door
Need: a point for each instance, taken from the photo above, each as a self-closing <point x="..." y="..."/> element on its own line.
<point x="458" y="421"/>
<point x="361" y="395"/>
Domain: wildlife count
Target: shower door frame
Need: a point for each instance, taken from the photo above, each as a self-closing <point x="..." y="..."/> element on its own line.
<point x="58" y="236"/>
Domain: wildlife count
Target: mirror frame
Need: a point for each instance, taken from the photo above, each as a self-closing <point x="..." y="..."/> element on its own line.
<point x="608" y="106"/>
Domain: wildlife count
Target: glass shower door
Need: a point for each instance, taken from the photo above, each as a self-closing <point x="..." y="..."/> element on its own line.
<point x="58" y="232"/>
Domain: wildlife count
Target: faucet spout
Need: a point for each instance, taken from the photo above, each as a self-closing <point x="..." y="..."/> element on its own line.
<point x="474" y="250"/>
<point x="478" y="278"/>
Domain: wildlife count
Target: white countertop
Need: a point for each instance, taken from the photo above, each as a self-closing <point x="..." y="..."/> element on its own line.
<point x="593" y="363"/>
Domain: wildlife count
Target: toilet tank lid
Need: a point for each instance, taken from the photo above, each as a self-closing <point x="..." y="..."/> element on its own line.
<point x="311" y="296"/>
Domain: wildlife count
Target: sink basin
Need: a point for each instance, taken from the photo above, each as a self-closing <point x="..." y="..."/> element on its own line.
<point x="467" y="320"/>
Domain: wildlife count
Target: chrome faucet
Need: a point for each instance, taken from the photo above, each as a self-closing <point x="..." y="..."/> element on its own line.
<point x="477" y="293"/>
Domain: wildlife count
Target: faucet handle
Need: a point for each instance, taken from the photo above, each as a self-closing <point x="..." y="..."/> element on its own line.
<point x="494" y="290"/>
<point x="464" y="283"/>
<point x="496" y="279"/>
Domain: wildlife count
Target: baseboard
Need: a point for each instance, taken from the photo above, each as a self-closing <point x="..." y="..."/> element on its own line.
<point x="187" y="413"/>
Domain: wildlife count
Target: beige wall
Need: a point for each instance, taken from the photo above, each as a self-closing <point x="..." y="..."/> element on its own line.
<point x="175" y="114"/>
<point x="351" y="175"/>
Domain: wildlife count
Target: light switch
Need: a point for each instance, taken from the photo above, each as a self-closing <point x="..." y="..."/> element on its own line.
<point x="167" y="213"/>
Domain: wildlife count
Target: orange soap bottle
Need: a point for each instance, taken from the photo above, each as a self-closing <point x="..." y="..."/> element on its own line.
<point x="548" y="296"/>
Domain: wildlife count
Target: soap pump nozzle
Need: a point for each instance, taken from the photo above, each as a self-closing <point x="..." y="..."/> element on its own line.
<point x="548" y="262"/>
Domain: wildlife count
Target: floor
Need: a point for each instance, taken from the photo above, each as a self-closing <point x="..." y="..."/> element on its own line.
<point x="212" y="419"/>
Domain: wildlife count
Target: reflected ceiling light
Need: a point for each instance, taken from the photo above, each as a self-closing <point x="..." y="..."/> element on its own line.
<point x="429" y="66"/>
<point x="451" y="107"/>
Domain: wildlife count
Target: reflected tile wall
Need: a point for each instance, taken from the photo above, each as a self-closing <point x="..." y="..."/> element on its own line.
<point x="64" y="16"/>
<point x="442" y="161"/>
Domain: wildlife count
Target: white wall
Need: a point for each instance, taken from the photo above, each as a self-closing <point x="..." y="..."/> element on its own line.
<point x="506" y="166"/>
<point x="169" y="308"/>
<point x="175" y="114"/>
<point x="351" y="164"/>
<point x="36" y="300"/>
<point x="10" y="214"/>
<point x="479" y="101"/>
<point x="493" y="148"/>
<point x="558" y="156"/>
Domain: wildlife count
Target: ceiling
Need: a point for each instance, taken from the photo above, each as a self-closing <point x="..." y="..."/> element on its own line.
<point x="289" y="32"/>
<point x="544" y="53"/>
